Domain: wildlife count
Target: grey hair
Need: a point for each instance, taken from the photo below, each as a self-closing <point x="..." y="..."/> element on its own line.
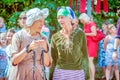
<point x="84" y="17"/>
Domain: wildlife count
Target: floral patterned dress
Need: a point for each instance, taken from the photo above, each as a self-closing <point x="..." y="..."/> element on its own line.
<point x="101" y="54"/>
<point x="3" y="63"/>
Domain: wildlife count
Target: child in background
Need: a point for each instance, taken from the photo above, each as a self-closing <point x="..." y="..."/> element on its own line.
<point x="10" y="34"/>
<point x="2" y="25"/>
<point x="101" y="52"/>
<point x="109" y="48"/>
<point x="3" y="57"/>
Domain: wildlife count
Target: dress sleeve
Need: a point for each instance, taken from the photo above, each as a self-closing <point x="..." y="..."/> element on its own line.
<point x="54" y="55"/>
<point x="16" y="45"/>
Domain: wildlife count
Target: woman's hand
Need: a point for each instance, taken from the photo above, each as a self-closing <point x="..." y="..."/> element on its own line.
<point x="43" y="44"/>
<point x="115" y="55"/>
<point x="36" y="43"/>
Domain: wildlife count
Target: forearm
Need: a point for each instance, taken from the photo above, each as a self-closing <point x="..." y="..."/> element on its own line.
<point x="90" y="34"/>
<point x="47" y="59"/>
<point x="17" y="58"/>
<point x="116" y="43"/>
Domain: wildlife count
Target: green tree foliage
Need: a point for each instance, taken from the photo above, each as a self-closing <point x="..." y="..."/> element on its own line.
<point x="10" y="10"/>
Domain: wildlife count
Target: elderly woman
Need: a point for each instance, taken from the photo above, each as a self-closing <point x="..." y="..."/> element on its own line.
<point x="68" y="49"/>
<point x="22" y="19"/>
<point x="90" y="30"/>
<point x="27" y="45"/>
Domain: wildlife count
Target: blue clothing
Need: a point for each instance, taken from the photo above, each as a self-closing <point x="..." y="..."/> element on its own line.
<point x="3" y="63"/>
<point x="101" y="54"/>
<point x="3" y="29"/>
<point x="109" y="52"/>
<point x="45" y="32"/>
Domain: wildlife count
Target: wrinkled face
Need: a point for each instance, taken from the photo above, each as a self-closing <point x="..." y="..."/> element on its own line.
<point x="64" y="21"/>
<point x="9" y="36"/>
<point x="37" y="25"/>
<point x="22" y="21"/>
<point x="3" y="40"/>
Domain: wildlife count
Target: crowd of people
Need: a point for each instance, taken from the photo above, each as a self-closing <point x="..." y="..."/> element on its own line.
<point x="27" y="53"/>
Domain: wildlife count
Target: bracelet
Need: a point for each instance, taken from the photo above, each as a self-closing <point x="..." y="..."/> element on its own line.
<point x="27" y="48"/>
<point x="115" y="50"/>
<point x="46" y="51"/>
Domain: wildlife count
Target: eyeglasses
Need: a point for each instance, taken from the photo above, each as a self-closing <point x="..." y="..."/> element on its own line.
<point x="24" y="18"/>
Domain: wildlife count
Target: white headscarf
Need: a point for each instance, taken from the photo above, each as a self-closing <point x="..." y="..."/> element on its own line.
<point x="35" y="14"/>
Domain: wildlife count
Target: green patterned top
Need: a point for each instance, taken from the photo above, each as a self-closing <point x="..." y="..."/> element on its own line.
<point x="68" y="55"/>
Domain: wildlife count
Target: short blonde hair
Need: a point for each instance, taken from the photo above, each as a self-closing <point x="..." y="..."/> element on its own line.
<point x="110" y="26"/>
<point x="84" y="17"/>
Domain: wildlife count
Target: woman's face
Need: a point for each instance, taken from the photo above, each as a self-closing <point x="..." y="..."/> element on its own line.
<point x="22" y="21"/>
<point x="104" y="27"/>
<point x="9" y="36"/>
<point x="3" y="40"/>
<point x="113" y="29"/>
<point x="64" y="21"/>
<point x="37" y="25"/>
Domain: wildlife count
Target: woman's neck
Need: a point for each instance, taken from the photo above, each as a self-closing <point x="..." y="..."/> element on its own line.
<point x="31" y="32"/>
<point x="112" y="34"/>
<point x="67" y="30"/>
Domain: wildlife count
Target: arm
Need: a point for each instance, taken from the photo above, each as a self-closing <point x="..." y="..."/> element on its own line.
<point x="93" y="31"/>
<point x="47" y="58"/>
<point x="85" y="62"/>
<point x="17" y="55"/>
<point x="105" y="42"/>
<point x="84" y="46"/>
<point x="116" y="43"/>
<point x="115" y="55"/>
<point x="54" y="55"/>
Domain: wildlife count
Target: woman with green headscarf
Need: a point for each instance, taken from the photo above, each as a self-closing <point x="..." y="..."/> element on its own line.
<point x="68" y="49"/>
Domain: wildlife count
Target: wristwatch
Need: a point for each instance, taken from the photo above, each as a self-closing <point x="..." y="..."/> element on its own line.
<point x="115" y="50"/>
<point x="27" y="47"/>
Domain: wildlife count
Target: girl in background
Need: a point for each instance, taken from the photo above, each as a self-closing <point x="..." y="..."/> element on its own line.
<point x="101" y="52"/>
<point x="10" y="34"/>
<point x="3" y="57"/>
<point x="108" y="47"/>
